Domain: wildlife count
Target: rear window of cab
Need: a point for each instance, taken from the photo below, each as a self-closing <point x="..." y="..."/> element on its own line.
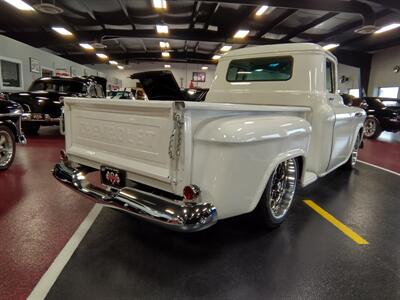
<point x="260" y="69"/>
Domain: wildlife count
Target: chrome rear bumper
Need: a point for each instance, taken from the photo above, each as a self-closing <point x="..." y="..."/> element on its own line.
<point x="173" y="214"/>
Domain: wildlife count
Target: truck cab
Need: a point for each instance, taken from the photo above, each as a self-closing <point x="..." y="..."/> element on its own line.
<point x="293" y="75"/>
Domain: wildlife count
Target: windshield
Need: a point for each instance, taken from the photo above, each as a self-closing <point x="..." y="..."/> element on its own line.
<point x="58" y="86"/>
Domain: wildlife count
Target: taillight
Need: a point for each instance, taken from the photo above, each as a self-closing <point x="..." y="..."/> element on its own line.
<point x="191" y="192"/>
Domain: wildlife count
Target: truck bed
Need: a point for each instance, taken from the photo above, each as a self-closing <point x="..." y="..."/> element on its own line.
<point x="139" y="137"/>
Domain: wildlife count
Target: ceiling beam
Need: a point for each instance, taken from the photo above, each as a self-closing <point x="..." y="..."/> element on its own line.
<point x="86" y="58"/>
<point x="366" y="36"/>
<point x="356" y="7"/>
<point x="384" y="45"/>
<point x="395" y="4"/>
<point x="41" y="39"/>
<point x="350" y="26"/>
<point x="285" y="15"/>
<point x="214" y="9"/>
<point x="195" y="13"/>
<point x="306" y="27"/>
<point x="125" y="10"/>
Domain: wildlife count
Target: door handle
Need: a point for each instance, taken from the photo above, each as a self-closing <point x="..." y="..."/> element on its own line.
<point x="358" y="114"/>
<point x="331" y="98"/>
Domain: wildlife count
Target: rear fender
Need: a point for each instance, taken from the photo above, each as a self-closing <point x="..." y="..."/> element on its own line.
<point x="234" y="157"/>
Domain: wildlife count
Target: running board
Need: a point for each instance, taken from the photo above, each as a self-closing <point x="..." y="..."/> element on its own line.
<point x="309" y="177"/>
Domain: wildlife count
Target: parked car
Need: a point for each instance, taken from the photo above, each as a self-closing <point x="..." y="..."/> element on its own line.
<point x="197" y="94"/>
<point x="350" y="100"/>
<point x="269" y="123"/>
<point x="383" y="114"/>
<point x="42" y="103"/>
<point x="10" y="131"/>
<point x="123" y="95"/>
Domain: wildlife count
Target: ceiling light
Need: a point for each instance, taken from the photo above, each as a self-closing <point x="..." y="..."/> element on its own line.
<point x="241" y="34"/>
<point x="388" y="27"/>
<point x="226" y="48"/>
<point x="330" y="46"/>
<point x="113" y="62"/>
<point x="167" y="66"/>
<point x="120" y="67"/>
<point x="164" y="45"/>
<point x="204" y="68"/>
<point x="162" y="28"/>
<point x="216" y="56"/>
<point x="261" y="10"/>
<point x="165" y="54"/>
<point x="61" y="30"/>
<point x="21" y="5"/>
<point x="86" y="46"/>
<point x="160" y="4"/>
<point x="102" y="55"/>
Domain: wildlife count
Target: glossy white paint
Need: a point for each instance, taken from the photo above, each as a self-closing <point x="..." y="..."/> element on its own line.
<point x="233" y="141"/>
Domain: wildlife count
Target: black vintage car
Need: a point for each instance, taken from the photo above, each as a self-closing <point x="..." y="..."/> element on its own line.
<point x="43" y="101"/>
<point x="10" y="131"/>
<point x="383" y="114"/>
<point x="161" y="85"/>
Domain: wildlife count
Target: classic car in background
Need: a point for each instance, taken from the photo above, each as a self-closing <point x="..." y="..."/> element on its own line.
<point x="10" y="131"/>
<point x="197" y="94"/>
<point x="350" y="100"/>
<point x="383" y="114"/>
<point x="125" y="94"/>
<point x="43" y="101"/>
<point x="184" y="164"/>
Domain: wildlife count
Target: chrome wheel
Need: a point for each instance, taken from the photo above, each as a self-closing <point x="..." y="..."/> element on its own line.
<point x="6" y="148"/>
<point x="282" y="188"/>
<point x="369" y="127"/>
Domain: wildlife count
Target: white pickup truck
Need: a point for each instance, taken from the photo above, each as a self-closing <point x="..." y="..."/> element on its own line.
<point x="271" y="121"/>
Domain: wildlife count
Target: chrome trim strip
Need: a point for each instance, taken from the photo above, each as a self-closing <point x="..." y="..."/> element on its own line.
<point x="10" y="114"/>
<point x="173" y="214"/>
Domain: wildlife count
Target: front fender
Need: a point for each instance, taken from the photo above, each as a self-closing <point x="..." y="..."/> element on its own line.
<point x="233" y="157"/>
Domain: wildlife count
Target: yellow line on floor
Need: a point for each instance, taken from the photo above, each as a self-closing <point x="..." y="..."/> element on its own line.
<point x="339" y="225"/>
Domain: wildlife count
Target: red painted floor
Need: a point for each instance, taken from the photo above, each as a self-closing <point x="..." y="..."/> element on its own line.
<point x="384" y="152"/>
<point x="37" y="215"/>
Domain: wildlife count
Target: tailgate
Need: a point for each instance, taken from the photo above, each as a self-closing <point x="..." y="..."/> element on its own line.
<point x="131" y="136"/>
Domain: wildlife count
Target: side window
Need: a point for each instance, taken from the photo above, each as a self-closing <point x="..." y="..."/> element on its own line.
<point x="330" y="78"/>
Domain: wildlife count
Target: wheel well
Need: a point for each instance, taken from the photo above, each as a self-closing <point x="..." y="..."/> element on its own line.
<point x="300" y="162"/>
<point x="11" y="126"/>
<point x="361" y="131"/>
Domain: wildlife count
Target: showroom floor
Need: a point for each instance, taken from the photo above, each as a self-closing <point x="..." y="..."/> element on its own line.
<point x="123" y="258"/>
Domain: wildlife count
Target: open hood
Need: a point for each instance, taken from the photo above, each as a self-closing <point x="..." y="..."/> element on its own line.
<point x="159" y="85"/>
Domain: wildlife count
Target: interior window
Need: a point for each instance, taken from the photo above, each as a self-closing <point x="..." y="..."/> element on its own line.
<point x="354" y="92"/>
<point x="330" y="85"/>
<point x="10" y="74"/>
<point x="388" y="92"/>
<point x="260" y="69"/>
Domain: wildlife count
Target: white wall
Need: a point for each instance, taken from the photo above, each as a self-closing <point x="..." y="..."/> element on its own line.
<point x="21" y="52"/>
<point x="382" y="74"/>
<point x="182" y="72"/>
<point x="352" y="73"/>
